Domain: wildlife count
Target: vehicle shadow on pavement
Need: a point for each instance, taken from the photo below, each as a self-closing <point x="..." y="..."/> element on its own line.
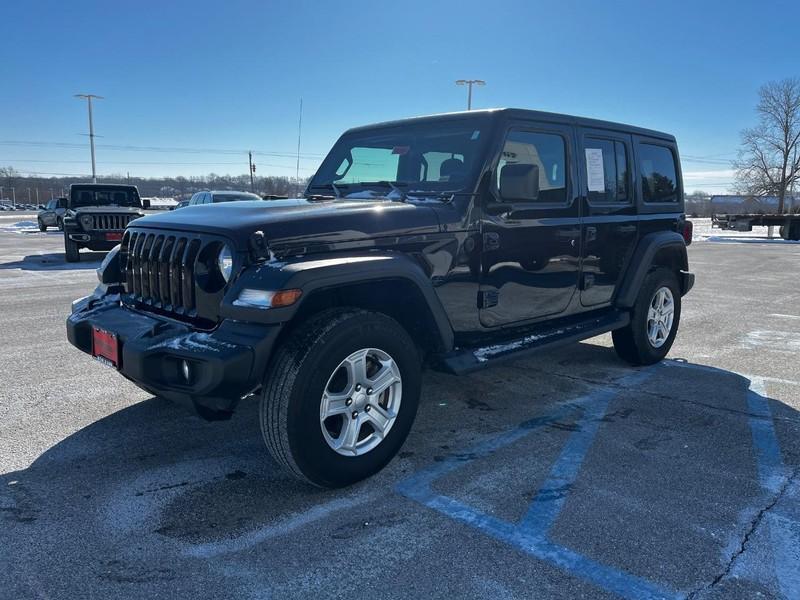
<point x="55" y="261"/>
<point x="671" y="487"/>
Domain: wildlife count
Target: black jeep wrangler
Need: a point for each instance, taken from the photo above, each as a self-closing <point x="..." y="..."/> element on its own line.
<point x="453" y="241"/>
<point x="96" y="216"/>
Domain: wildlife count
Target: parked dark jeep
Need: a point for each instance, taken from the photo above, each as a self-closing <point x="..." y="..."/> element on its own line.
<point x="96" y="216"/>
<point x="451" y="241"/>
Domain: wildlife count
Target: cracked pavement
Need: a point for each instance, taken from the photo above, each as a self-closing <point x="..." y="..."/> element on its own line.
<point x="564" y="475"/>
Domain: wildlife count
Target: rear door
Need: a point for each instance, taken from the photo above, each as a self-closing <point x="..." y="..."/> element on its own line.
<point x="610" y="224"/>
<point x="531" y="248"/>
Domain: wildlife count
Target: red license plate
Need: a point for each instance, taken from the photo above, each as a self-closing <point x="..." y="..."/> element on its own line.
<point x="113" y="237"/>
<point x="105" y="347"/>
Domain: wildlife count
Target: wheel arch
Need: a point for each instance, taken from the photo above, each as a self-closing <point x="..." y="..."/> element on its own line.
<point x="383" y="282"/>
<point x="658" y="249"/>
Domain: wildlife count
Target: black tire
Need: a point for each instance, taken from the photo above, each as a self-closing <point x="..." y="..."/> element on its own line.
<point x="71" y="250"/>
<point x="60" y="224"/>
<point x="299" y="373"/>
<point x="42" y="226"/>
<point x="631" y="342"/>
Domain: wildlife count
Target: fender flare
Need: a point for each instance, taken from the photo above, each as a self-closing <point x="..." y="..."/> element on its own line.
<point x="641" y="261"/>
<point x="315" y="273"/>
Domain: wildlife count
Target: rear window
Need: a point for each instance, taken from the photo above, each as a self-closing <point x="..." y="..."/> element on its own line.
<point x="234" y="197"/>
<point x="658" y="173"/>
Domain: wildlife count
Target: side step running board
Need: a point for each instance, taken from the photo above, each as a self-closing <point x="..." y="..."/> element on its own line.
<point x="465" y="360"/>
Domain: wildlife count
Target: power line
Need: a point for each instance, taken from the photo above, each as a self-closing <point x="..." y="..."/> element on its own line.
<point x="174" y="150"/>
<point x="129" y="162"/>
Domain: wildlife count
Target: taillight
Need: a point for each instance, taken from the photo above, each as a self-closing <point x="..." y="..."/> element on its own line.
<point x="688" y="229"/>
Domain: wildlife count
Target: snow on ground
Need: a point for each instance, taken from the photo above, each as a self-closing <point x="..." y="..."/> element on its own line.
<point x="19" y="227"/>
<point x="703" y="232"/>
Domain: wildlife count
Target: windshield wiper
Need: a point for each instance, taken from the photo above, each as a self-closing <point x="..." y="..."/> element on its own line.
<point x="331" y="186"/>
<point x="391" y="185"/>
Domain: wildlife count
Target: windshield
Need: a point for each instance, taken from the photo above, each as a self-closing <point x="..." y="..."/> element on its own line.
<point x="234" y="197"/>
<point x="436" y="157"/>
<point x="104" y="197"/>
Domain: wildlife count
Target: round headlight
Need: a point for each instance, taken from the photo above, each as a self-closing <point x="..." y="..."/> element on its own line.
<point x="225" y="262"/>
<point x="86" y="221"/>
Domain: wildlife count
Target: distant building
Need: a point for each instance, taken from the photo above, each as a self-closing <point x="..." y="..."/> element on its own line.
<point x="734" y="205"/>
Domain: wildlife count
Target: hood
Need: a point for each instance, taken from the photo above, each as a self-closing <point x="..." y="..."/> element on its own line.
<point x="293" y="222"/>
<point x="106" y="210"/>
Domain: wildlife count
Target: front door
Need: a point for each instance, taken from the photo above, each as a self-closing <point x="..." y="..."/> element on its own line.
<point x="531" y="230"/>
<point x="609" y="215"/>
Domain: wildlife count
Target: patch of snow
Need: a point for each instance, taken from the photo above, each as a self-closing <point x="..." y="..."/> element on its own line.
<point x="484" y="354"/>
<point x="195" y="341"/>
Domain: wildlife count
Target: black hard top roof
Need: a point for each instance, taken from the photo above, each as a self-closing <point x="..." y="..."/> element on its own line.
<point x="125" y="186"/>
<point x="523" y="114"/>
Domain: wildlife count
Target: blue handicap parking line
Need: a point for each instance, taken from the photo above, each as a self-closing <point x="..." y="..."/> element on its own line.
<point x="531" y="534"/>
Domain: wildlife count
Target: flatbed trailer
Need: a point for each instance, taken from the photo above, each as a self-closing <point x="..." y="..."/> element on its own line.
<point x="788" y="224"/>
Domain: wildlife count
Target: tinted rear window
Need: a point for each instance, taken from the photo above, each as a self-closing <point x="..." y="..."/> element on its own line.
<point x="234" y="197"/>
<point x="658" y="173"/>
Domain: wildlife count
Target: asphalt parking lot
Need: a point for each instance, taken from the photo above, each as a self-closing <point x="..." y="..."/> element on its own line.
<point x="566" y="475"/>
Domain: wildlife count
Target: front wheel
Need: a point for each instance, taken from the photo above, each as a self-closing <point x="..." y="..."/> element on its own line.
<point x="340" y="397"/>
<point x="71" y="250"/>
<point x="42" y="226"/>
<point x="654" y="320"/>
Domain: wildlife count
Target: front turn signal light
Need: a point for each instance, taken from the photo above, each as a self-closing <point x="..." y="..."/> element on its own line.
<point x="267" y="298"/>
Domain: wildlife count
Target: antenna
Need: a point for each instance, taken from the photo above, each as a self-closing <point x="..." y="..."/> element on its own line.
<point x="299" y="131"/>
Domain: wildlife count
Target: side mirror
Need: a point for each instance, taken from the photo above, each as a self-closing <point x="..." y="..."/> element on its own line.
<point x="145" y="203"/>
<point x="519" y="183"/>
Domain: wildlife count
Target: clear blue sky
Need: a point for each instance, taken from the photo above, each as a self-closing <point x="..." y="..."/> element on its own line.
<point x="228" y="75"/>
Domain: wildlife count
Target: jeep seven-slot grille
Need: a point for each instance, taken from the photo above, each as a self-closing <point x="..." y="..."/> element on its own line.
<point x="111" y="222"/>
<point x="159" y="269"/>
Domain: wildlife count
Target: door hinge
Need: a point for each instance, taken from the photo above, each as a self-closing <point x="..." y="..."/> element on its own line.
<point x="488" y="298"/>
<point x="491" y="241"/>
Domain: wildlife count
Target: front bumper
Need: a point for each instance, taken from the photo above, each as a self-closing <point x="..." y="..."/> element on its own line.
<point x="95" y="240"/>
<point x="224" y="364"/>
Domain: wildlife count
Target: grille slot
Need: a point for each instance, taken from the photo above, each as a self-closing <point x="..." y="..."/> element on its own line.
<point x="159" y="269"/>
<point x="111" y="222"/>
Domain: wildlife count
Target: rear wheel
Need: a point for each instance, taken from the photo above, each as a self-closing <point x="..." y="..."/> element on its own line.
<point x="654" y="320"/>
<point x="340" y="397"/>
<point x="71" y="250"/>
<point x="60" y="224"/>
<point x="42" y="226"/>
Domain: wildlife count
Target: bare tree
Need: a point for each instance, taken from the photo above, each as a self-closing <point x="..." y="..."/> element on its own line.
<point x="769" y="159"/>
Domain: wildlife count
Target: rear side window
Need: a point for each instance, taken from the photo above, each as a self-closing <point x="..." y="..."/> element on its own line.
<point x="658" y="173"/>
<point x="611" y="156"/>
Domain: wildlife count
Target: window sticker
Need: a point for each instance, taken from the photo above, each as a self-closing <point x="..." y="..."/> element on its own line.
<point x="595" y="175"/>
<point x="475" y="134"/>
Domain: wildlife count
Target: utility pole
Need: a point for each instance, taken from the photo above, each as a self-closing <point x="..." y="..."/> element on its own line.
<point x="88" y="98"/>
<point x="13" y="197"/>
<point x="469" y="83"/>
<point x="29" y="195"/>
<point x="252" y="172"/>
<point x="37" y="196"/>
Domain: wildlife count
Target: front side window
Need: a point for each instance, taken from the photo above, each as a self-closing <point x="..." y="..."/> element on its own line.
<point x="612" y="184"/>
<point x="541" y="156"/>
<point x="658" y="173"/>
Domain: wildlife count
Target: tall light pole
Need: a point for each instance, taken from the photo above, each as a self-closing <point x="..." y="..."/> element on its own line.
<point x="469" y="83"/>
<point x="88" y="98"/>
